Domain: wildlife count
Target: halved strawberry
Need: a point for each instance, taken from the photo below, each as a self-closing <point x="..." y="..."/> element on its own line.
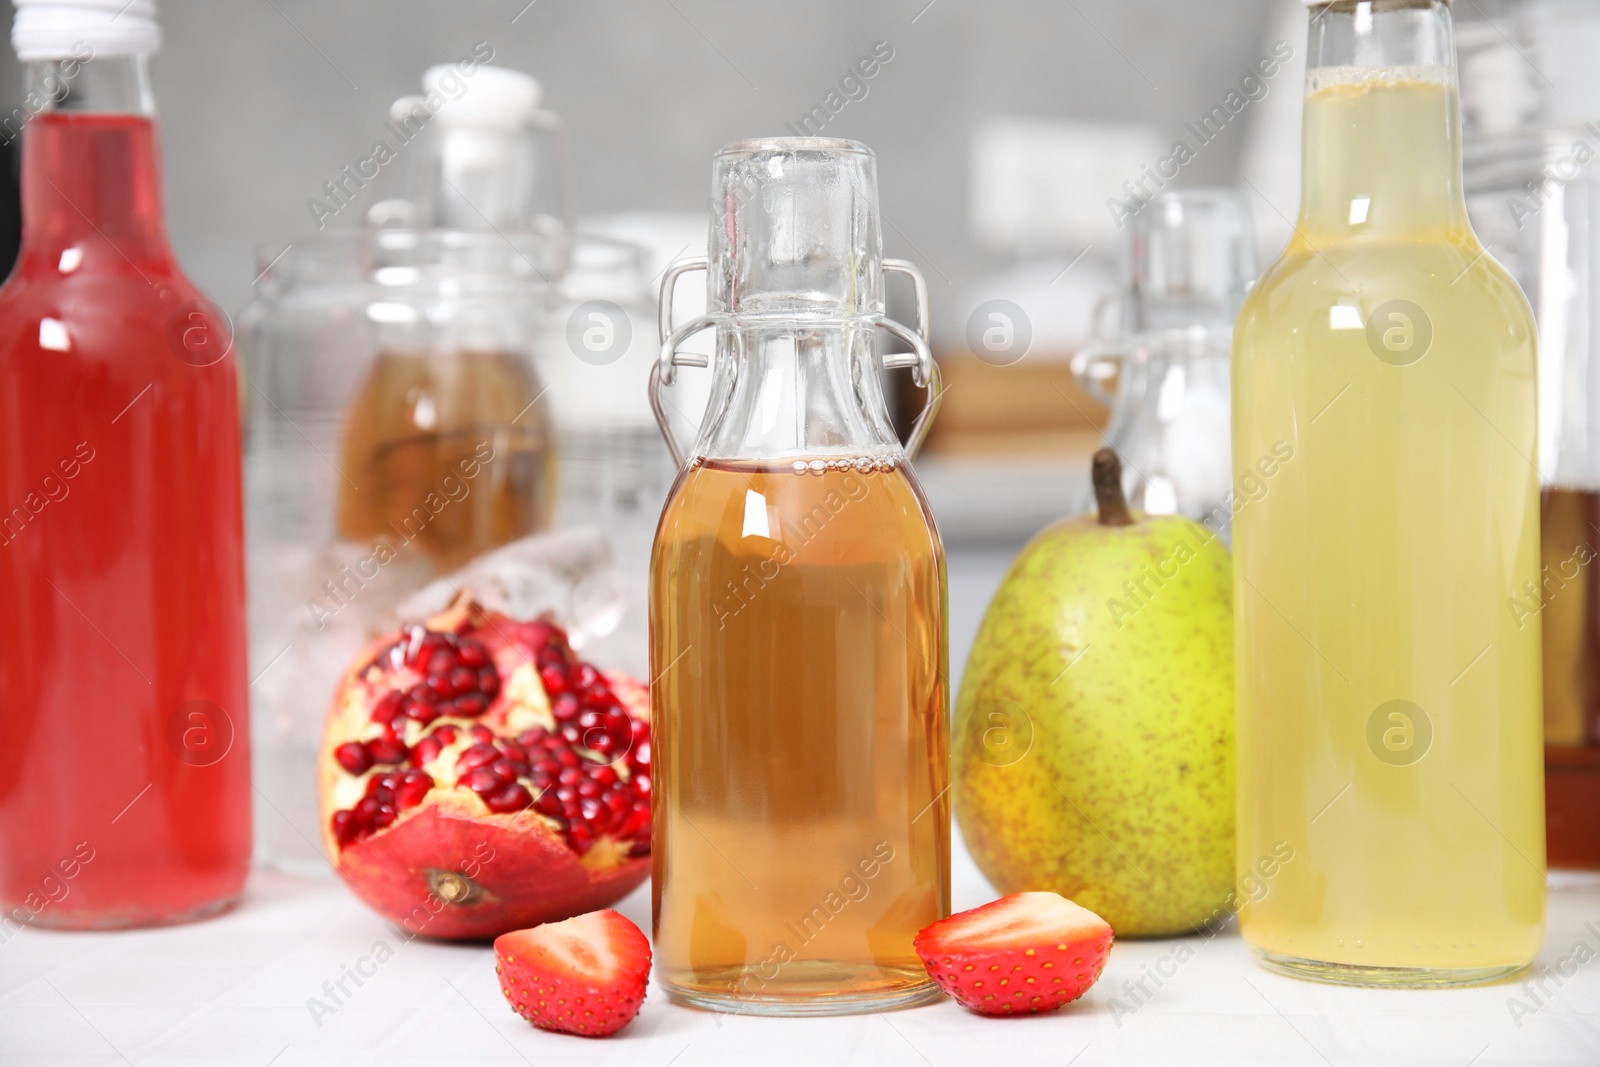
<point x="1027" y="952"/>
<point x="585" y="975"/>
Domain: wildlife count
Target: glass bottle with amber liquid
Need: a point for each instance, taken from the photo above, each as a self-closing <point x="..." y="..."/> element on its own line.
<point x="797" y="616"/>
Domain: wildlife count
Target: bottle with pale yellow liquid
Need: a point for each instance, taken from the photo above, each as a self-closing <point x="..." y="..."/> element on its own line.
<point x="1388" y="684"/>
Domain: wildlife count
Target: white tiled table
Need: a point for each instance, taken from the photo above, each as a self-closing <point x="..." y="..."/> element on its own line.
<point x="235" y="990"/>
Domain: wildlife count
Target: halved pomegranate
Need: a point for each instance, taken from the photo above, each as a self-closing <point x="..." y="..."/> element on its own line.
<point x="476" y="777"/>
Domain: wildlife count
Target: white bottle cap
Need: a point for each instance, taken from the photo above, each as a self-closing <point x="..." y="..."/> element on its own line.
<point x="78" y="29"/>
<point x="489" y="96"/>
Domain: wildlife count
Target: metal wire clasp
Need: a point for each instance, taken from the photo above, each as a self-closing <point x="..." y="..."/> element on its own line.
<point x="924" y="371"/>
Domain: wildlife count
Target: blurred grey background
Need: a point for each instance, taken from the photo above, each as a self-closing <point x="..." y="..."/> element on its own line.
<point x="261" y="101"/>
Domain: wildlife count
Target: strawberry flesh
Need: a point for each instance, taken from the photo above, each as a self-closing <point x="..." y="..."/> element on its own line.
<point x="1023" y="953"/>
<point x="584" y="975"/>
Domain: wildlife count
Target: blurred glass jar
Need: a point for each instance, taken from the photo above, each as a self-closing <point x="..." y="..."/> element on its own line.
<point x="395" y="432"/>
<point x="1159" y="359"/>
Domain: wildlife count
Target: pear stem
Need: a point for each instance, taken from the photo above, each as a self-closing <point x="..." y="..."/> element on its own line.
<point x="1107" y="476"/>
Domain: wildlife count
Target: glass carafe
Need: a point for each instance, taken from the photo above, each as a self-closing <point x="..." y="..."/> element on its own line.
<point x="797" y="616"/>
<point x="1166" y="344"/>
<point x="1388" y="688"/>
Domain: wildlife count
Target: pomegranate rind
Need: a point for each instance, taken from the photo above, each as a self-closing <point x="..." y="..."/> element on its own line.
<point x="448" y="871"/>
<point x="449" y="867"/>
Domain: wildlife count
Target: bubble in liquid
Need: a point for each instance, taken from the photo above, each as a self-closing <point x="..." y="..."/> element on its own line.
<point x="817" y="466"/>
<point x="799" y="466"/>
<point x="864" y="464"/>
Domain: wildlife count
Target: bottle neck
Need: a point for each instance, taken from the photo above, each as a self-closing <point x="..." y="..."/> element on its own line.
<point x="1382" y="127"/>
<point x="91" y="176"/>
<point x="796" y="388"/>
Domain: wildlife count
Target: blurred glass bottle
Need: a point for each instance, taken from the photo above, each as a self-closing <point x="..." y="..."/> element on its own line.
<point x="1534" y="196"/>
<point x="1165" y="344"/>
<point x="436" y="397"/>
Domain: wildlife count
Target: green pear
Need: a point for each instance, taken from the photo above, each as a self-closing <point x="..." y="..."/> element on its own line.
<point x="1093" y="741"/>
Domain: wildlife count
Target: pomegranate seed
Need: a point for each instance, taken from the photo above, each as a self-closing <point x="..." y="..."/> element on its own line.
<point x="472" y="705"/>
<point x="386" y="815"/>
<point x="386" y="750"/>
<point x="567" y="758"/>
<point x="482" y="735"/>
<point x="353" y="757"/>
<point x="412" y="789"/>
<point x="589" y="788"/>
<point x="509" y="769"/>
<point x="549" y="767"/>
<point x="425" y="713"/>
<point x="389" y="707"/>
<point x="463" y="681"/>
<point x="570" y="776"/>
<point x="641" y="784"/>
<point x="554" y="680"/>
<point x="420" y="693"/>
<point x="618" y="803"/>
<point x="530" y="738"/>
<point x="345" y="826"/>
<point x="603" y="775"/>
<point x="489" y="681"/>
<point x="427" y="750"/>
<point x="581" y="836"/>
<point x="483" y="781"/>
<point x="596" y="696"/>
<point x="640" y="756"/>
<point x="475" y="756"/>
<point x="472" y="653"/>
<point x="447" y="733"/>
<point x="584" y="676"/>
<point x="440" y="686"/>
<point x="441" y="663"/>
<point x="366" y="809"/>
<point x="547" y="804"/>
<point x="564" y="707"/>
<point x="511" y="798"/>
<point x="514" y="751"/>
